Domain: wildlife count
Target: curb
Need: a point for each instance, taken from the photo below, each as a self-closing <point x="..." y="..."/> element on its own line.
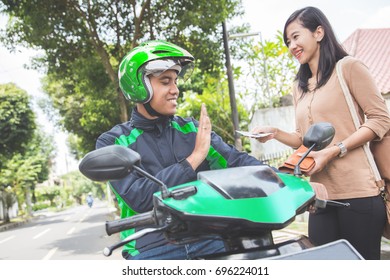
<point x="12" y="225"/>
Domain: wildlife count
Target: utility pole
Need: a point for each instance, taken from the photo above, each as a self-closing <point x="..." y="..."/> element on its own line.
<point x="232" y="95"/>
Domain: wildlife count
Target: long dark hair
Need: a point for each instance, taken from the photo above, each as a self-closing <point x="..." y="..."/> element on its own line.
<point x="331" y="50"/>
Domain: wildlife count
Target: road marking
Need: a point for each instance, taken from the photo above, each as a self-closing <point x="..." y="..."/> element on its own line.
<point x="6" y="239"/>
<point x="89" y="211"/>
<point x="50" y="254"/>
<point x="42" y="233"/>
<point x="83" y="218"/>
<point x="71" y="230"/>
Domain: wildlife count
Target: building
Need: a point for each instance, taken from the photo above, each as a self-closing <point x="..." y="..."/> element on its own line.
<point x="372" y="46"/>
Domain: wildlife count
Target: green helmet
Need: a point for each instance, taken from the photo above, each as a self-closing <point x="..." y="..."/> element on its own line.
<point x="152" y="57"/>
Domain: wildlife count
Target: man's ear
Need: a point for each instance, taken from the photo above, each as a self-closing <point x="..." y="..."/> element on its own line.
<point x="319" y="33"/>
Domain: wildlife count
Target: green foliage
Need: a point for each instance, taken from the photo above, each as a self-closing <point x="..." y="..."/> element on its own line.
<point x="17" y="121"/>
<point x="268" y="71"/>
<point x="23" y="171"/>
<point x="77" y="187"/>
<point x="215" y="95"/>
<point x="85" y="101"/>
<point x="48" y="193"/>
<point x="70" y="29"/>
<point x="25" y="153"/>
<point x="75" y="147"/>
<point x="41" y="205"/>
<point x="83" y="42"/>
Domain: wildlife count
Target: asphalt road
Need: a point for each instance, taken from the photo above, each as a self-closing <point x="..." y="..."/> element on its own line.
<point x="74" y="234"/>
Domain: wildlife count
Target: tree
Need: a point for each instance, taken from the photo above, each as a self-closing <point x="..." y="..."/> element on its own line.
<point x="17" y="121"/>
<point x="8" y="198"/>
<point x="25" y="154"/>
<point x="24" y="170"/>
<point x="267" y="72"/>
<point x="87" y="107"/>
<point x="87" y="39"/>
<point x="49" y="193"/>
<point x="216" y="95"/>
<point x="77" y="186"/>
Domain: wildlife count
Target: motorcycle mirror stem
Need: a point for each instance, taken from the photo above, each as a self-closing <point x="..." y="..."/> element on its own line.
<point x="297" y="168"/>
<point x="165" y="193"/>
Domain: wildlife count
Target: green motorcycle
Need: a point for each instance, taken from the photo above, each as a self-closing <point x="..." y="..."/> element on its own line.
<point x="242" y="205"/>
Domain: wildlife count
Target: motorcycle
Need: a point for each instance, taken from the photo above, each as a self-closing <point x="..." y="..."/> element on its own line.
<point x="89" y="200"/>
<point x="241" y="205"/>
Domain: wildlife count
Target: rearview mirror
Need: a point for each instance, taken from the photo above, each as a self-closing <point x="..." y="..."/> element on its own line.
<point x="319" y="135"/>
<point x="109" y="163"/>
<point x="114" y="163"/>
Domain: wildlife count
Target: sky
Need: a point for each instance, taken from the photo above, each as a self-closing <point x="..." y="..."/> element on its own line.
<point x="266" y="17"/>
<point x="345" y="16"/>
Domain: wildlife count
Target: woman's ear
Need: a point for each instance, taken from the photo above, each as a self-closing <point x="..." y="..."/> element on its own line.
<point x="319" y="33"/>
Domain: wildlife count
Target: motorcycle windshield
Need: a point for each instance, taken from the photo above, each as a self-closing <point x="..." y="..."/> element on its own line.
<point x="243" y="182"/>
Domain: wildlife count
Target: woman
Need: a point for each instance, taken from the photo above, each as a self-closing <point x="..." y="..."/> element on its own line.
<point x="342" y="167"/>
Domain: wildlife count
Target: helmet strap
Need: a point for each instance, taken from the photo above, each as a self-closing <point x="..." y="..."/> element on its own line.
<point x="151" y="111"/>
<point x="148" y="88"/>
<point x="147" y="105"/>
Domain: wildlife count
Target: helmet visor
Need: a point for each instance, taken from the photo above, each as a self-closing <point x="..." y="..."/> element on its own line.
<point x="183" y="67"/>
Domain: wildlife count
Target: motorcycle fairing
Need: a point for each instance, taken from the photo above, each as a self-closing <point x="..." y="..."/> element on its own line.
<point x="215" y="207"/>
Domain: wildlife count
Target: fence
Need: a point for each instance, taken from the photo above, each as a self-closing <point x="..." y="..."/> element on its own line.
<point x="276" y="159"/>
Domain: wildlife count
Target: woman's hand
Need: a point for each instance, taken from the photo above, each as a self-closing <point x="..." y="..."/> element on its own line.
<point x="265" y="129"/>
<point x="287" y="138"/>
<point x="322" y="158"/>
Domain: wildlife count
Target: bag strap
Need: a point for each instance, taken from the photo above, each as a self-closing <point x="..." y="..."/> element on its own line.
<point x="348" y="97"/>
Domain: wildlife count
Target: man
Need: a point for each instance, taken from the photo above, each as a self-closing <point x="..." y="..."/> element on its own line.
<point x="89" y="200"/>
<point x="172" y="148"/>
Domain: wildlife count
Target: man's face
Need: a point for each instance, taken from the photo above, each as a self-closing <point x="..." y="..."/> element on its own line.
<point x="165" y="92"/>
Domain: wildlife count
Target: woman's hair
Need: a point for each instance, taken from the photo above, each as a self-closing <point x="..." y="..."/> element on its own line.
<point x="331" y="50"/>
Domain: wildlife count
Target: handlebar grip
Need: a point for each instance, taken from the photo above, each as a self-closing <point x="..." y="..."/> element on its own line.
<point x="142" y="219"/>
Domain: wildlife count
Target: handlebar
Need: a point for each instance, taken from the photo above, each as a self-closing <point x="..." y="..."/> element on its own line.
<point x="322" y="200"/>
<point x="323" y="203"/>
<point x="338" y="204"/>
<point x="143" y="219"/>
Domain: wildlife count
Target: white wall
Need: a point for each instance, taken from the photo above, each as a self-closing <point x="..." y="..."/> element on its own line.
<point x="282" y="118"/>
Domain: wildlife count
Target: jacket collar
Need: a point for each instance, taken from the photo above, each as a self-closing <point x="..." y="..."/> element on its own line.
<point x="139" y="121"/>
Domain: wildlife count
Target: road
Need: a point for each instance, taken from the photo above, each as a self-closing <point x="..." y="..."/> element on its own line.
<point x="74" y="234"/>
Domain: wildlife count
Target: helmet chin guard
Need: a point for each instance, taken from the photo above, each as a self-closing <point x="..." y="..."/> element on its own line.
<point x="151" y="58"/>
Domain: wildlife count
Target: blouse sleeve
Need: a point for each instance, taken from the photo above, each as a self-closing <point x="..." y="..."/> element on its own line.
<point x="371" y="105"/>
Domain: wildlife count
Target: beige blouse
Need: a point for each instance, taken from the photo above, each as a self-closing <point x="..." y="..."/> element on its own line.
<point x="350" y="176"/>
